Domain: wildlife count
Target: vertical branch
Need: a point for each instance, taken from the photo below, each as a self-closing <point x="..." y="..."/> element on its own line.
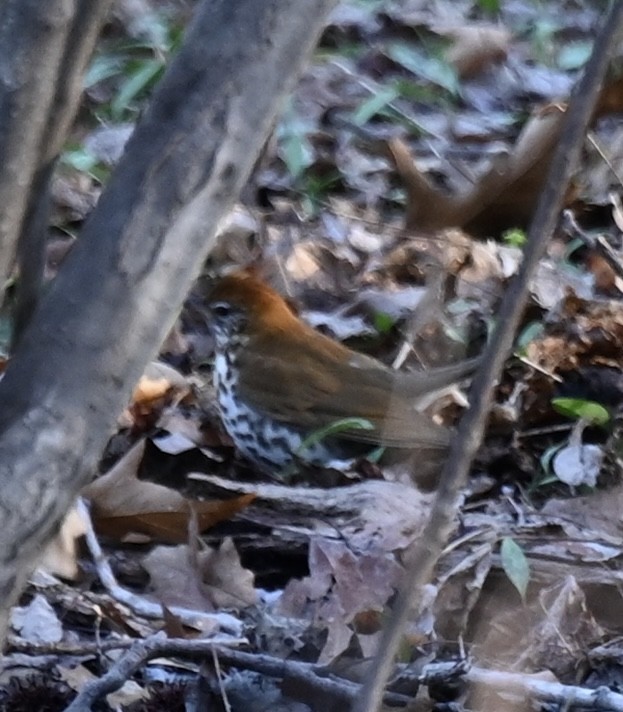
<point x="79" y="41"/>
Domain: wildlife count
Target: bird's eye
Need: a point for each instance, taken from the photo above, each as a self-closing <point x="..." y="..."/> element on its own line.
<point x="221" y="310"/>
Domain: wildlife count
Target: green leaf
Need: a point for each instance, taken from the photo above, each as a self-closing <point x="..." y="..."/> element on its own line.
<point x="297" y="154"/>
<point x="334" y="428"/>
<point x="103" y="67"/>
<point x="530" y="332"/>
<point x="376" y="455"/>
<point x="490" y="6"/>
<point x="136" y="83"/>
<point x="575" y="55"/>
<point x="80" y="158"/>
<point x="589" y="411"/>
<point x="295" y="148"/>
<point x="430" y="68"/>
<point x="514" y="237"/>
<point x="515" y="565"/>
<point x="546" y="460"/>
<point x="370" y="107"/>
<point x="383" y="322"/>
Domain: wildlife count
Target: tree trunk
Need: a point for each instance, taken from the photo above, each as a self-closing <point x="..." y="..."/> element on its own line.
<point x="44" y="49"/>
<point x="121" y="288"/>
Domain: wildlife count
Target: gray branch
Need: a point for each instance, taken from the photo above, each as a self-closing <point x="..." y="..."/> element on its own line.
<point x="44" y="47"/>
<point x="120" y="290"/>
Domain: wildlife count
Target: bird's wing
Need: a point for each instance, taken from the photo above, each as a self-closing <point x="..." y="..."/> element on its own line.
<point x="323" y="382"/>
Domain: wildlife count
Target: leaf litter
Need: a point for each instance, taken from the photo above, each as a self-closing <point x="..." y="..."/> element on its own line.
<point x="415" y="143"/>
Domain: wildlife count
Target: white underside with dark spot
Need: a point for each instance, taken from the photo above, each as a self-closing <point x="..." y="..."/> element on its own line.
<point x="269" y="444"/>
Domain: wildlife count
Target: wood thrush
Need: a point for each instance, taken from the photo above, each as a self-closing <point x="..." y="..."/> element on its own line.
<point x="278" y="381"/>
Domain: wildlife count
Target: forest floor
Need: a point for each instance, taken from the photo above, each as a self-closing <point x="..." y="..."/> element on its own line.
<point x="391" y="205"/>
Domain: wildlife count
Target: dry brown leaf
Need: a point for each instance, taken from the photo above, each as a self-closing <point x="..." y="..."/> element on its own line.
<point x="460" y="585"/>
<point x="229" y="584"/>
<point x="236" y="238"/>
<point x="175" y="580"/>
<point x="553" y="632"/>
<point x="214" y="579"/>
<point x="121" y="505"/>
<point x="342" y="583"/>
<point x="302" y="263"/>
<point x="599" y="512"/>
<point x="592" y="334"/>
<point x="157" y="380"/>
<point x="160" y="386"/>
<point x="483" y="277"/>
<point x="476" y="47"/>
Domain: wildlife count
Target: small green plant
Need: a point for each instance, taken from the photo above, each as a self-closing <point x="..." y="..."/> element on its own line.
<point x="532" y="331"/>
<point x="515" y="237"/>
<point x="577" y="408"/>
<point x="425" y="65"/>
<point x="383" y="103"/>
<point x="575" y="462"/>
<point x="295" y="148"/>
<point x="81" y="159"/>
<point x="297" y="153"/>
<point x="383" y="323"/>
<point x="489" y="7"/>
<point x="574" y="55"/>
<point x="546" y="476"/>
<point x="314" y="190"/>
<point x="542" y="36"/>
<point x="335" y="428"/>
<point x="375" y="104"/>
<point x="131" y="68"/>
<point x="515" y="565"/>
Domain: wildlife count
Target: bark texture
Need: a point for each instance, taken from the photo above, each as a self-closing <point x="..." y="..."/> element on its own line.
<point x="44" y="49"/>
<point x="121" y="288"/>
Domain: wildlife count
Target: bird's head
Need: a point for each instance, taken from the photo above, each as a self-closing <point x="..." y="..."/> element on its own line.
<point x="241" y="304"/>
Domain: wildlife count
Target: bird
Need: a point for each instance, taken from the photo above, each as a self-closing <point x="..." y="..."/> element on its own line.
<point x="281" y="385"/>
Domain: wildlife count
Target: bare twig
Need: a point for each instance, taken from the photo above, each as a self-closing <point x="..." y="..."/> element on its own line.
<point x="438" y="529"/>
<point x="86" y="647"/>
<point x="313" y="676"/>
<point x="522" y="685"/>
<point x="142" y="606"/>
<point x="221" y="684"/>
<point x="317" y="677"/>
<point x="603" y="154"/>
<point x="545" y="691"/>
<point x="595" y="242"/>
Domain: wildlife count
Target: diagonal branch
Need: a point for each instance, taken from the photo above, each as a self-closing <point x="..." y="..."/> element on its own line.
<point x="121" y="288"/>
<point x="442" y="517"/>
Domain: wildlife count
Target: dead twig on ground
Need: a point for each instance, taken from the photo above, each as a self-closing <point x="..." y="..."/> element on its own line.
<point x="318" y="677"/>
<point x="594" y="242"/>
<point x="148" y="609"/>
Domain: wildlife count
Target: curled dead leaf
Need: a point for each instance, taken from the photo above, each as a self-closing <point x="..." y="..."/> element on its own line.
<point x="476" y="47"/>
<point x="122" y="505"/>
